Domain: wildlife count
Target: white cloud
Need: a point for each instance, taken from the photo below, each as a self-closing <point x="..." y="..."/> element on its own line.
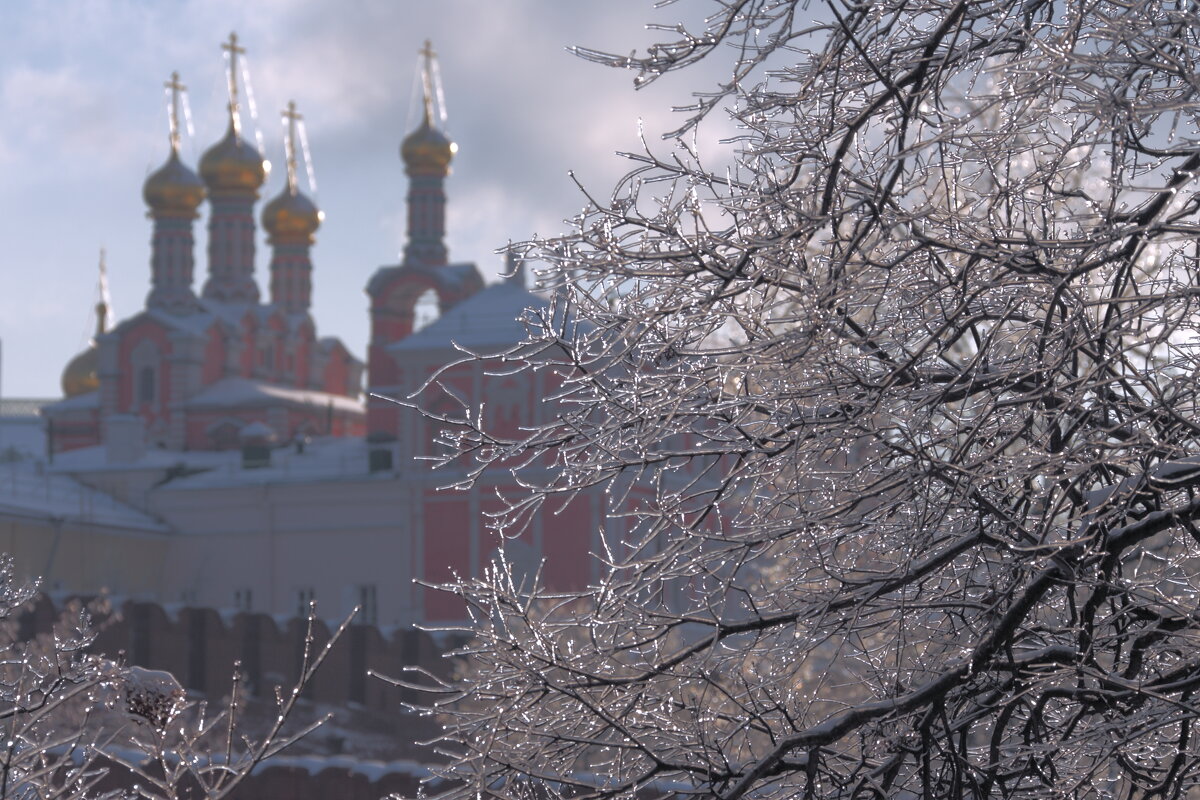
<point x="63" y="112"/>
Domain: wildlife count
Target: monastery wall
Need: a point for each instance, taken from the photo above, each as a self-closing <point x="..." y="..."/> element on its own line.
<point x="203" y="649"/>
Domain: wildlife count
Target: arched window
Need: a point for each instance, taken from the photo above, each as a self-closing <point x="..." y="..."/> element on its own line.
<point x="425" y="310"/>
<point x="144" y="365"/>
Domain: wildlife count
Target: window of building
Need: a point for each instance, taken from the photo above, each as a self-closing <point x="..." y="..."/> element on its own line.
<point x="425" y="309"/>
<point x="144" y="364"/>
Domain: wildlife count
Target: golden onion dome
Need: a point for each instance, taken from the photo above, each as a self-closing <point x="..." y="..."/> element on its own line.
<point x="233" y="164"/>
<point x="427" y="148"/>
<point x="291" y="215"/>
<point x="81" y="375"/>
<point x="173" y="188"/>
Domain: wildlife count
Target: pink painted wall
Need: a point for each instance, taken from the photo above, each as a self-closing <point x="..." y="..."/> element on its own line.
<point x="447" y="549"/>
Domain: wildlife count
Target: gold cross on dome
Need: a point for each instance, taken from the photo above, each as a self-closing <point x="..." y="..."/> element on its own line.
<point x="234" y="51"/>
<point x="289" y="144"/>
<point x="427" y="79"/>
<point x="173" y="119"/>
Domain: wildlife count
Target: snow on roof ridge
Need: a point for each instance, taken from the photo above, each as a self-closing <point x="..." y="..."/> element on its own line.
<point x="491" y="316"/>
<point x="86" y="400"/>
<point x="238" y="391"/>
<point x="23" y="406"/>
<point x="27" y="490"/>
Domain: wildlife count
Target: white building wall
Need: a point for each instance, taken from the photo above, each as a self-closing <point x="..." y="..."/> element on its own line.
<point x="278" y="539"/>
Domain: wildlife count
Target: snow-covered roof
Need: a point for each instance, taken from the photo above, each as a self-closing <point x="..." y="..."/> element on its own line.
<point x="265" y="311"/>
<point x="323" y="459"/>
<point x="487" y="322"/>
<point x="256" y="430"/>
<point x="28" y="490"/>
<point x="229" y="313"/>
<point x="195" y="324"/>
<point x="80" y="402"/>
<point x="96" y="459"/>
<point x="236" y="392"/>
<point x="233" y="314"/>
<point x="458" y="274"/>
<point x="299" y="319"/>
<point x="23" y="407"/>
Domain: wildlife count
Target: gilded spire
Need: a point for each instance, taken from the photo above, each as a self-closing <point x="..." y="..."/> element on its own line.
<point x="103" y="299"/>
<point x="231" y="47"/>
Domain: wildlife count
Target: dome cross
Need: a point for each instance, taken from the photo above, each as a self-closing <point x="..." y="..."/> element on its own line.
<point x="231" y="47"/>
<point x="289" y="144"/>
<point x="428" y="55"/>
<point x="176" y="88"/>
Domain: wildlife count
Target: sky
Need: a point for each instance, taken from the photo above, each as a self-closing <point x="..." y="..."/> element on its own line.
<point x="83" y="122"/>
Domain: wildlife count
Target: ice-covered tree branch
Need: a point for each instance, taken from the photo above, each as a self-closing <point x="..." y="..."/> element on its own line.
<point x="896" y="419"/>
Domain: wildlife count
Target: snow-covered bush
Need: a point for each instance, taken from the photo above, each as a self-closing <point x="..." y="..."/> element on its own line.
<point x="74" y="724"/>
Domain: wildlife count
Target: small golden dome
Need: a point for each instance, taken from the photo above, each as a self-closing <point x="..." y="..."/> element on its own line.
<point x="81" y="375"/>
<point x="428" y="148"/>
<point x="173" y="188"/>
<point x="233" y="164"/>
<point x="291" y="215"/>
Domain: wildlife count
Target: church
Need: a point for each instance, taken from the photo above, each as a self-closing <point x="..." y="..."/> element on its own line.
<point x="228" y="445"/>
<point x="193" y="368"/>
